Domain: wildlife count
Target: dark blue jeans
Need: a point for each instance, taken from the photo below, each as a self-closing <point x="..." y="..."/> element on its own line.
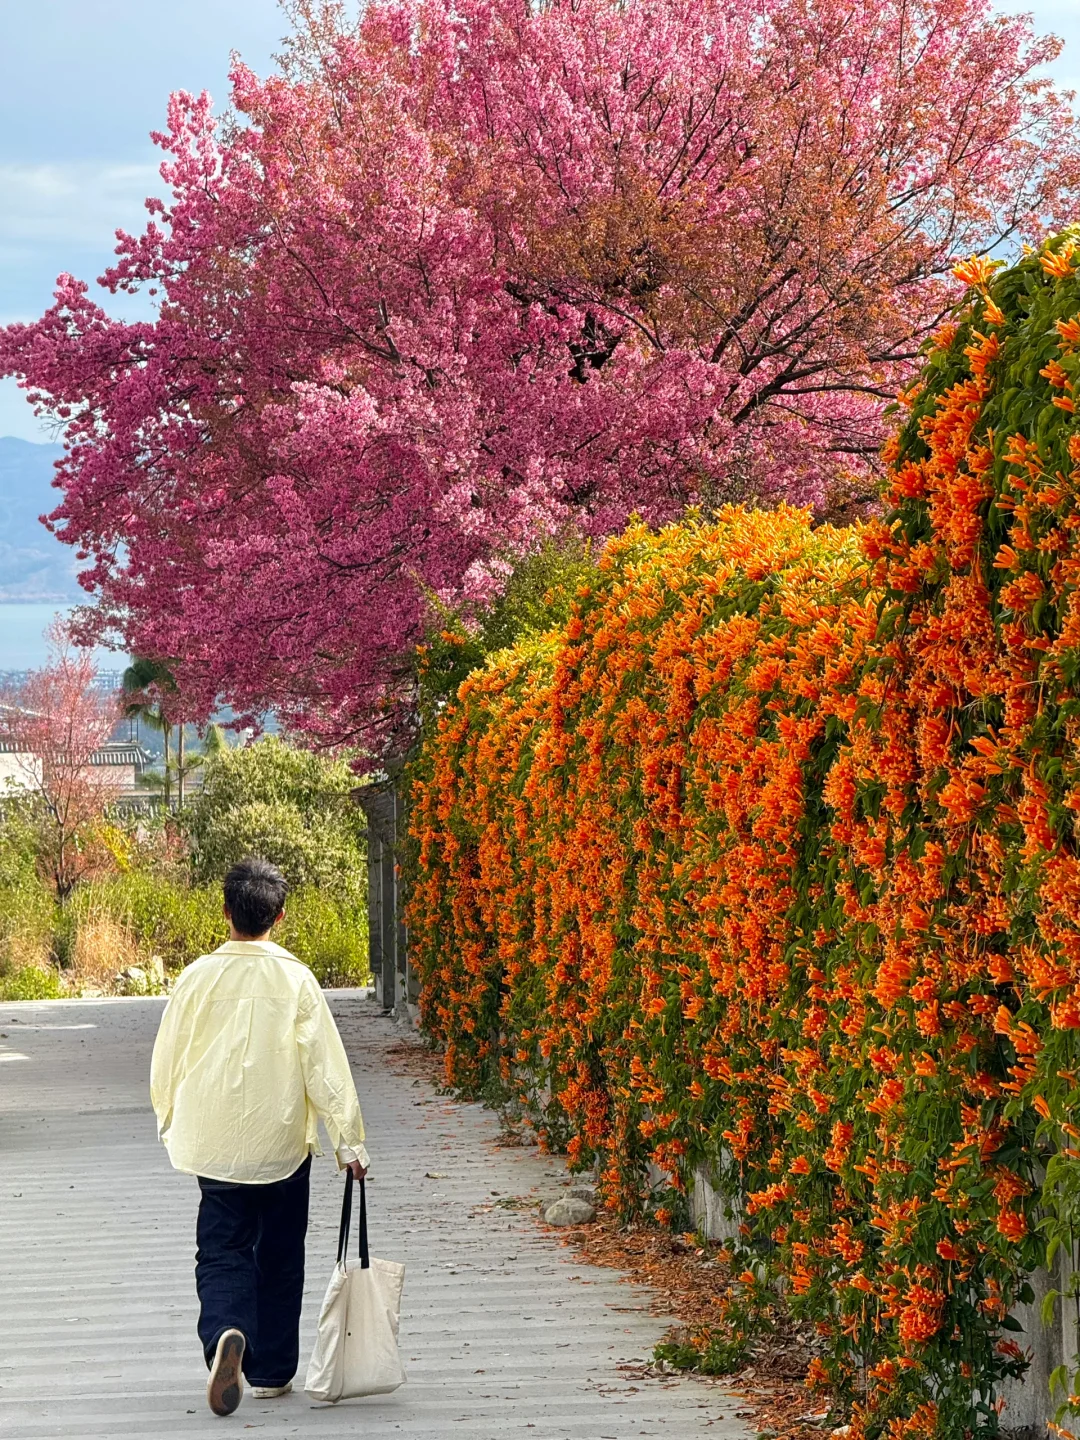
<point x="249" y="1270"/>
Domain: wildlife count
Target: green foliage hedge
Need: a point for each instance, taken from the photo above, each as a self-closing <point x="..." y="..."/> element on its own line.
<point x="292" y="807"/>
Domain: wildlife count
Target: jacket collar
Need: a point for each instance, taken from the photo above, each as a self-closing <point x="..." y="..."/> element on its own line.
<point x="252" y="947"/>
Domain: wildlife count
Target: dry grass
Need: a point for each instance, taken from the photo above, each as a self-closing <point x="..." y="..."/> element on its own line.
<point x="20" y="949"/>
<point x="102" y="948"/>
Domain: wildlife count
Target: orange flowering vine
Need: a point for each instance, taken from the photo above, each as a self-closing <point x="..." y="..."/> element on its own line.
<point x="766" y="868"/>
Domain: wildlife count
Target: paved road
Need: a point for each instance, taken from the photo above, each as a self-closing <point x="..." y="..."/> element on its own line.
<point x="504" y="1332"/>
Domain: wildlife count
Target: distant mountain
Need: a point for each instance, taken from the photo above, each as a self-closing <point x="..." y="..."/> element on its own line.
<point x="33" y="563"/>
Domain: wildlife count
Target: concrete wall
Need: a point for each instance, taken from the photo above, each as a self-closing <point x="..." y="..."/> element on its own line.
<point x="396" y="983"/>
<point x="715" y="1216"/>
<point x="21" y="770"/>
<point x="1027" y="1403"/>
<point x="18" y="771"/>
<point x="116" y="779"/>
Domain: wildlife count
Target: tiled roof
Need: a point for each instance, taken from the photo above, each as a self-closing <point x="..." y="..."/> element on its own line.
<point x="120" y="753"/>
<point x="115" y="753"/>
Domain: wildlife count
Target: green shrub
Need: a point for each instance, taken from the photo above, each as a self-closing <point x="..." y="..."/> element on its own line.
<point x="18" y="841"/>
<point x="27" y="905"/>
<point x="291" y="807"/>
<point x="129" y="918"/>
<point x="27" y="916"/>
<point x="539" y="595"/>
<point x="328" y="936"/>
<point x="30" y="982"/>
<point x="306" y="853"/>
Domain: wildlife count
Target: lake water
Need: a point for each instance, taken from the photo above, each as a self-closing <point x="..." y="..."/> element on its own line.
<point x="22" y="638"/>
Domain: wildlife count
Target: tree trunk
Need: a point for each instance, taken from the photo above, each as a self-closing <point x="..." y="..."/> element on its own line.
<point x="180" y="766"/>
<point x="62" y="869"/>
<point x="165" y="729"/>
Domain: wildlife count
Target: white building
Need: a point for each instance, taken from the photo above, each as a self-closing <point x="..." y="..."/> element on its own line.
<point x="19" y="769"/>
<point x="121" y="765"/>
<point x="126" y="761"/>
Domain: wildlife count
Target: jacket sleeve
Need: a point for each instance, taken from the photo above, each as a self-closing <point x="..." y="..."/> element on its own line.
<point x="163" y="1064"/>
<point x="327" y="1077"/>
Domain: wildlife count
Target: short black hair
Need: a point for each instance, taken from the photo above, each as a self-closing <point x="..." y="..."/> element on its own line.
<point x="255" y="893"/>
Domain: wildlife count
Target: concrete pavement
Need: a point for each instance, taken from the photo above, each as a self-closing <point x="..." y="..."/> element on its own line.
<point x="504" y="1332"/>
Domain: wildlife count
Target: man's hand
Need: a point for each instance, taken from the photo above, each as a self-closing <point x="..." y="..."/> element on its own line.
<point x="358" y="1170"/>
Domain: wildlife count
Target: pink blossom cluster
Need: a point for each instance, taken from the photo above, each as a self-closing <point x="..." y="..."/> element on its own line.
<point x="473" y="270"/>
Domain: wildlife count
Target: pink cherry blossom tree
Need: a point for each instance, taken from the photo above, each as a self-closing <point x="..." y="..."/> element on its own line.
<point x="469" y="270"/>
<point x="53" y="725"/>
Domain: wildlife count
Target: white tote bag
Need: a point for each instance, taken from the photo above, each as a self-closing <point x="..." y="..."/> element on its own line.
<point x="356" y="1348"/>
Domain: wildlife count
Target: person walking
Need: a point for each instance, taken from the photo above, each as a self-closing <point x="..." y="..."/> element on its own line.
<point x="246" y="1061"/>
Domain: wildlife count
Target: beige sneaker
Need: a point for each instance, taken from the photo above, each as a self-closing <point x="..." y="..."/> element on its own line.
<point x="226" y="1384"/>
<point x="271" y="1392"/>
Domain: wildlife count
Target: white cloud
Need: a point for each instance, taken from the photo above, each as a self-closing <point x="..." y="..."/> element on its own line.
<point x="79" y="204"/>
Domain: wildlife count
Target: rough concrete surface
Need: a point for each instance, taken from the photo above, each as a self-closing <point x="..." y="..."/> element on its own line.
<point x="504" y="1332"/>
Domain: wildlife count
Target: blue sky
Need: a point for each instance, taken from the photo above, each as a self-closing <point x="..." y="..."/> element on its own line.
<point x="82" y="82"/>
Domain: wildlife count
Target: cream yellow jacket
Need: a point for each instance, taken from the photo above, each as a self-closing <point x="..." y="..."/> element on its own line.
<point x="247" y="1060"/>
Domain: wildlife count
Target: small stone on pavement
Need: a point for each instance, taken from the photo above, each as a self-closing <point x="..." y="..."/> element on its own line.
<point x="569" y="1211"/>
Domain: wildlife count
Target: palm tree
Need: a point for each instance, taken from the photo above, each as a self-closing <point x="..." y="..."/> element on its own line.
<point x="187" y="763"/>
<point x="140" y="677"/>
<point x="214" y="741"/>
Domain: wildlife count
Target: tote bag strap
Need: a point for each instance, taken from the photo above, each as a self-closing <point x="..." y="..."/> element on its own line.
<point x="346" y="1222"/>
